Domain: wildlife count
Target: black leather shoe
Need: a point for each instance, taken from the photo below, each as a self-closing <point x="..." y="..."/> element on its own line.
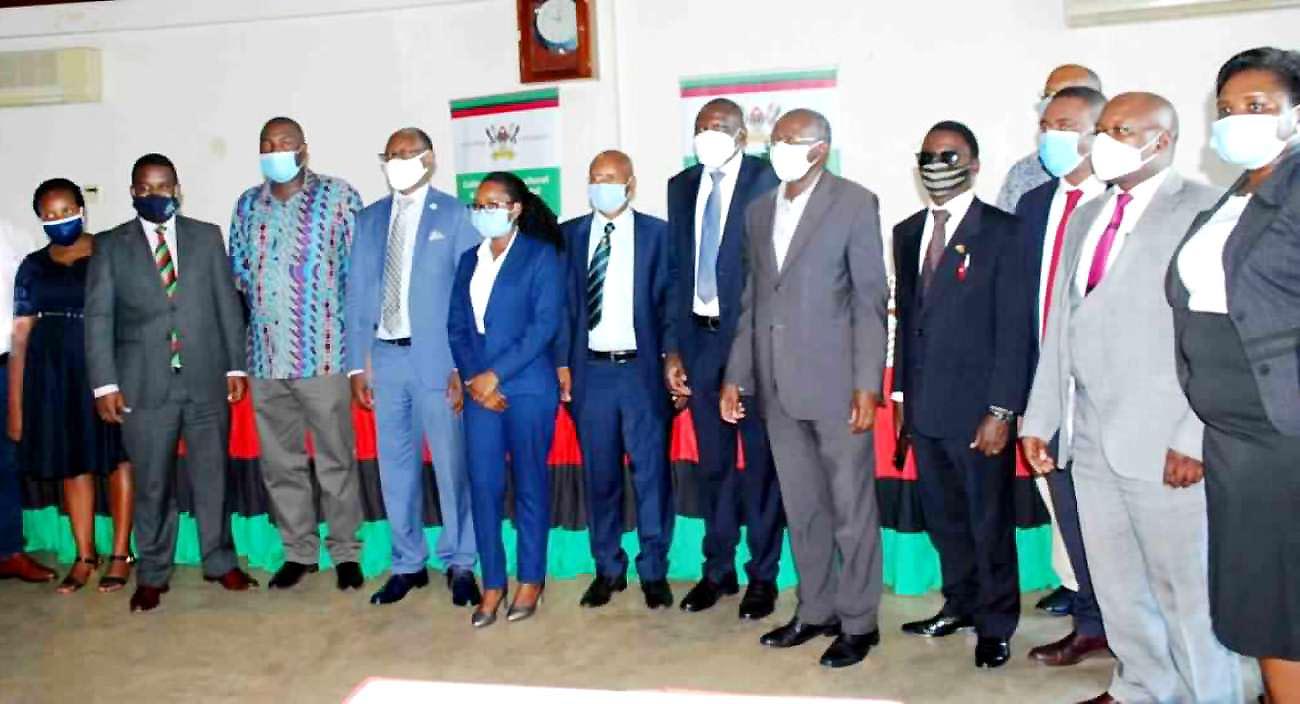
<point x="601" y="589"/>
<point x="289" y="574"/>
<point x="759" y="601"/>
<point x="463" y="586"/>
<point x="797" y="632"/>
<point x="849" y="649"/>
<point x="707" y="592"/>
<point x="349" y="576"/>
<point x="1059" y="603"/>
<point x="397" y="586"/>
<point x="657" y="594"/>
<point x="992" y="652"/>
<point x="939" y="626"/>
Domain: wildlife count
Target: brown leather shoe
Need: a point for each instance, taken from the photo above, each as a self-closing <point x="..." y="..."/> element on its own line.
<point x="1070" y="650"/>
<point x="22" y="566"/>
<point x="147" y="598"/>
<point x="236" y="580"/>
<point x="1103" y="698"/>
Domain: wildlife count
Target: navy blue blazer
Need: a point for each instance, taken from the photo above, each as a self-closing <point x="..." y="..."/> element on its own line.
<point x="522" y="320"/>
<point x="756" y="178"/>
<point x="965" y="345"/>
<point x="654" y="331"/>
<point x="1033" y="211"/>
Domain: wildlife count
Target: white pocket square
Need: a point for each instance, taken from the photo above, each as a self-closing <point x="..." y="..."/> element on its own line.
<point x="436" y="235"/>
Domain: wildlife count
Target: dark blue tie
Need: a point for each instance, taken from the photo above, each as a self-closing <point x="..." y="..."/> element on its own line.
<point x="596" y="278"/>
<point x="706" y="272"/>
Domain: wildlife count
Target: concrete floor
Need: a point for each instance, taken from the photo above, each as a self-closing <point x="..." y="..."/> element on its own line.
<point x="315" y="644"/>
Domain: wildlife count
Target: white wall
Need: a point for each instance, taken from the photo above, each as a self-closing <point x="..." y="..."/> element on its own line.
<point x="196" y="80"/>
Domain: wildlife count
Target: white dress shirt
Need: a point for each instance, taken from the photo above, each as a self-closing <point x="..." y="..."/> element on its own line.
<point x="616" y="331"/>
<point x="1200" y="264"/>
<point x="485" y="277"/>
<point x="786" y="220"/>
<point x="726" y="189"/>
<point x="957" y="209"/>
<point x="1143" y="194"/>
<point x="1092" y="188"/>
<point x="412" y="204"/>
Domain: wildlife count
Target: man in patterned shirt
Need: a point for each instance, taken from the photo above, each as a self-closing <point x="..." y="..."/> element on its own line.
<point x="289" y="242"/>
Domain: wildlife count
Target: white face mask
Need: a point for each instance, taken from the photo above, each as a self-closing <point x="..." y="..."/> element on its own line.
<point x="1113" y="159"/>
<point x="405" y="173"/>
<point x="714" y="148"/>
<point x="790" y="161"/>
<point x="1249" y="141"/>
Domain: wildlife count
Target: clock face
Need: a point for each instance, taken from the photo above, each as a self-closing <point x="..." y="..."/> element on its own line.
<point x="556" y="22"/>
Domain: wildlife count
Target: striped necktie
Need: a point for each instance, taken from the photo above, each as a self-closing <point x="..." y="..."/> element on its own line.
<point x="162" y="255"/>
<point x="596" y="278"/>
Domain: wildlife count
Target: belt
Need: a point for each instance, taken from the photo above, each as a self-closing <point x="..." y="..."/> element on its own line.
<point x="399" y="342"/>
<point x="708" y="322"/>
<point x="617" y="356"/>
<point x="59" y="314"/>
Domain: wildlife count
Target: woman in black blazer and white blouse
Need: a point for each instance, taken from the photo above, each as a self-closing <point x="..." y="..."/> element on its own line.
<point x="1234" y="285"/>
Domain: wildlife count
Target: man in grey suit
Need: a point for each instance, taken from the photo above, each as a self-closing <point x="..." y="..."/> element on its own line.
<point x="165" y="352"/>
<point x="1134" y="444"/>
<point x="810" y="346"/>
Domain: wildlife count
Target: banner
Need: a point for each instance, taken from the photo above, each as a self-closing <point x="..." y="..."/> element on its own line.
<point x="763" y="97"/>
<point x="517" y="132"/>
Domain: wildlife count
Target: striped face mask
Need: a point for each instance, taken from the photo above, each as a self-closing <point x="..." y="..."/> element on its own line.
<point x="941" y="179"/>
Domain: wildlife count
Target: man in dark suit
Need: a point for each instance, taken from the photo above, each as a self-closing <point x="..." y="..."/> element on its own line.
<point x="706" y="224"/>
<point x="165" y="348"/>
<point x="962" y="364"/>
<point x="609" y="357"/>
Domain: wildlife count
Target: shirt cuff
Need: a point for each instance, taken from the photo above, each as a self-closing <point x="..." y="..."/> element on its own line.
<point x="236" y="373"/>
<point x="355" y="372"/>
<point x="897" y="397"/>
<point x="105" y="390"/>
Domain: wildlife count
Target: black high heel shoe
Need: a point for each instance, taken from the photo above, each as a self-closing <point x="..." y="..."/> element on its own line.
<point x="109" y="583"/>
<point x="70" y="584"/>
<point x="519" y="613"/>
<point x="483" y="619"/>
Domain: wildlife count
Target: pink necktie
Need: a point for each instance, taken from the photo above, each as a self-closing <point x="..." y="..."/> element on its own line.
<point x="1098" y="268"/>
<point x="1071" y="202"/>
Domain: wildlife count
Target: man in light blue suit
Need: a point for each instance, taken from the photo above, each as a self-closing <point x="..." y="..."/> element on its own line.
<point x="403" y="264"/>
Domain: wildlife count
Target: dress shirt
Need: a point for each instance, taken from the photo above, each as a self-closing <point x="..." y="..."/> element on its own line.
<point x="957" y="209"/>
<point x="1200" y="264"/>
<point x="1143" y="194"/>
<point x="1092" y="187"/>
<point x="412" y="204"/>
<point x="485" y="277"/>
<point x="788" y="214"/>
<point x="726" y="189"/>
<point x="616" y="331"/>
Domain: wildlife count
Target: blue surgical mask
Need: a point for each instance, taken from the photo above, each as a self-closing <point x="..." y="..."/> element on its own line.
<point x="491" y="223"/>
<point x="1059" y="151"/>
<point x="280" y="167"/>
<point x="66" y="231"/>
<point x="607" y="197"/>
<point x="155" y="208"/>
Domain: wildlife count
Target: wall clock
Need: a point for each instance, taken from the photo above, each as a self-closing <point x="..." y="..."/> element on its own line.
<point x="556" y="40"/>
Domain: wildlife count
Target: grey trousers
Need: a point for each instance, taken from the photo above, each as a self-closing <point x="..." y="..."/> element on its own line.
<point x="285" y="409"/>
<point x="828" y="487"/>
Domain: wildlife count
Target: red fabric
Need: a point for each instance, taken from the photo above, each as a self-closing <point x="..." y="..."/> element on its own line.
<point x="885" y="440"/>
<point x="564" y="444"/>
<point x="684" y="446"/>
<point x="243" y="431"/>
<point x="1071" y="201"/>
<point x="363" y="425"/>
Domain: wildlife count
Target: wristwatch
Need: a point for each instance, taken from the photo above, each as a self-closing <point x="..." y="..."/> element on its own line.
<point x="1001" y="414"/>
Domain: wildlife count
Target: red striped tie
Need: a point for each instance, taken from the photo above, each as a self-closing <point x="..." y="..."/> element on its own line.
<point x="167" y="270"/>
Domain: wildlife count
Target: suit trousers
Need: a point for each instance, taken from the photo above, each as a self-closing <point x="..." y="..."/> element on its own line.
<point x="285" y="409"/>
<point x="11" y="507"/>
<point x="150" y="436"/>
<point x="1148" y="548"/>
<point x="619" y="414"/>
<point x="828" y="487"/>
<point x="1085" y="612"/>
<point x="406" y="415"/>
<point x="968" y="506"/>
<point x="732" y="497"/>
<point x="523" y="431"/>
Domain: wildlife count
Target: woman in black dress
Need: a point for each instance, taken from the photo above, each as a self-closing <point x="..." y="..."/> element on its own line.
<point x="1234" y="285"/>
<point x="51" y="405"/>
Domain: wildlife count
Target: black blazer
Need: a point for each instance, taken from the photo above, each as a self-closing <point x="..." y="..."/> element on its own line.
<point x="1033" y="211"/>
<point x="965" y="345"/>
<point x="1261" y="265"/>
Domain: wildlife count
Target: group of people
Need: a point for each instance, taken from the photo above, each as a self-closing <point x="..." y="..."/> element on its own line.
<point x="1133" y="331"/>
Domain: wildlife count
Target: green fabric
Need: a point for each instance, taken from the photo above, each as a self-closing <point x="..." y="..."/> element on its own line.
<point x="911" y="566"/>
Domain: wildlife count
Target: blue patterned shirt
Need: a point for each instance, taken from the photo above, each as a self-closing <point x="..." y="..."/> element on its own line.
<point x="290" y="261"/>
<point x="1025" y="175"/>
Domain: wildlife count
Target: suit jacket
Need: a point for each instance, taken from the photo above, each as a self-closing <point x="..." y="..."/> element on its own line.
<point x="812" y="332"/>
<point x="964" y="345"/>
<point x="522" y="320"/>
<point x="129" y="317"/>
<point x="650" y="288"/>
<point x="1119" y="341"/>
<point x="1033" y="212"/>
<point x="1261" y="265"/>
<point x="755" y="178"/>
<point x="444" y="233"/>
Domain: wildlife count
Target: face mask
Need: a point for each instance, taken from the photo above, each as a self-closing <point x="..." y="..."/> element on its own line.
<point x="790" y="161"/>
<point x="66" y="231"/>
<point x="491" y="223"/>
<point x="607" y="197"/>
<point x="155" y="209"/>
<point x="1059" y="151"/>
<point x="1113" y="159"/>
<point x="942" y="180"/>
<point x="714" y="148"/>
<point x="405" y="173"/>
<point x="280" y="167"/>
<point x="1248" y="141"/>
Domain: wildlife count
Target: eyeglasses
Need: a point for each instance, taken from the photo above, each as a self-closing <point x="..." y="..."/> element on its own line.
<point x="384" y="157"/>
<point x="801" y="141"/>
<point x="947" y="156"/>
<point x="490" y="206"/>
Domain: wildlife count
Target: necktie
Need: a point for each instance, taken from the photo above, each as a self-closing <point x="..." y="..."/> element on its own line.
<point x="596" y="278"/>
<point x="162" y="256"/>
<point x="392" y="305"/>
<point x="1071" y="202"/>
<point x="1098" y="268"/>
<point x="706" y="275"/>
<point x="933" y="253"/>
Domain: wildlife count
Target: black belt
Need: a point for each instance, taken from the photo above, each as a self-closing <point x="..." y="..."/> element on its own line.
<point x="399" y="342"/>
<point x="617" y="356"/>
<point x="60" y="314"/>
<point x="708" y="322"/>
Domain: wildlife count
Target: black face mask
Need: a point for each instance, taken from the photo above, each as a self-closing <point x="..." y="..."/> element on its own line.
<point x="941" y="179"/>
<point x="156" y="208"/>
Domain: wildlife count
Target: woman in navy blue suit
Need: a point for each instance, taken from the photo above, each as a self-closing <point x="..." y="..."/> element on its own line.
<point x="505" y="314"/>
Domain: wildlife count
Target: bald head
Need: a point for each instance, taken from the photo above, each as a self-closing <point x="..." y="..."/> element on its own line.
<point x="1143" y="121"/>
<point x="1069" y="75"/>
<point x="612" y="166"/>
<point x="802" y="123"/>
<point x="1149" y="107"/>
